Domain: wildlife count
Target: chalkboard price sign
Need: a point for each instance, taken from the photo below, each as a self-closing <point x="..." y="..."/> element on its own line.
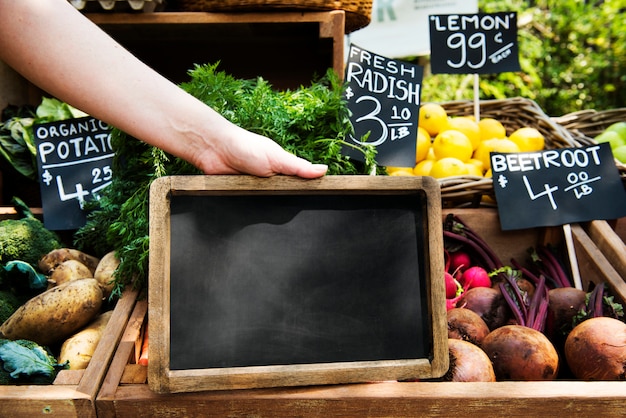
<point x="474" y="43"/>
<point x="557" y="187"/>
<point x="266" y="282"/>
<point x="383" y="98"/>
<point x="74" y="162"/>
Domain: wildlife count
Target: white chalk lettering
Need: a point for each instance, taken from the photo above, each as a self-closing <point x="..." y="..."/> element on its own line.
<point x="530" y="161"/>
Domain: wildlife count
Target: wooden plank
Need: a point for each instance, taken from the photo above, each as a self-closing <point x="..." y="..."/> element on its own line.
<point x="596" y="265"/>
<point x="94" y="374"/>
<point x="385" y="399"/>
<point x="610" y="243"/>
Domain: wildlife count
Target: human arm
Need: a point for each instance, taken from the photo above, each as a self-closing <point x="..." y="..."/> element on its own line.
<point x="57" y="48"/>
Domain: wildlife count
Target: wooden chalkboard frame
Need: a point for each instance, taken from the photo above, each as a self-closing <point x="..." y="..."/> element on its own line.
<point x="162" y="379"/>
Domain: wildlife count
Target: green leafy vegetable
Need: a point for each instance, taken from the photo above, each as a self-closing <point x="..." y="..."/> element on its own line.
<point x="27" y="359"/>
<point x="311" y="122"/>
<point x="22" y="271"/>
<point x="17" y="141"/>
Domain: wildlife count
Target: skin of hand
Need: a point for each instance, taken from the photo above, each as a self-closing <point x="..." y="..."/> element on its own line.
<point x="58" y="49"/>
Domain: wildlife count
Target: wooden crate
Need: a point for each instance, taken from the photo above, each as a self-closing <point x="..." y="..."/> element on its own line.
<point x="288" y="49"/>
<point x="73" y="392"/>
<point x="610" y="238"/>
<point x="125" y="392"/>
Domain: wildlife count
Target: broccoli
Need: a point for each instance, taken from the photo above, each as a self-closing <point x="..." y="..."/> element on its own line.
<point x="25" y="239"/>
<point x="8" y="304"/>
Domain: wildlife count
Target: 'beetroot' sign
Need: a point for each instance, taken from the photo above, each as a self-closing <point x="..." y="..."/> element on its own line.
<point x="384" y="98"/>
<point x="557" y="187"/>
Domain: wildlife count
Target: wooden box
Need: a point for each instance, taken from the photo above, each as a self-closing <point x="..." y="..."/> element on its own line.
<point x="125" y="392"/>
<point x="73" y="392"/>
<point x="288" y="49"/>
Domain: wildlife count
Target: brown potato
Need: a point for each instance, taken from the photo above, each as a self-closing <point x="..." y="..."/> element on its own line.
<point x="79" y="348"/>
<point x="104" y="272"/>
<point x="67" y="271"/>
<point x="55" y="314"/>
<point x="54" y="258"/>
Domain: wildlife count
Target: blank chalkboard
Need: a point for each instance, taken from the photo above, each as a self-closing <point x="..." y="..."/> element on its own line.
<point x="283" y="281"/>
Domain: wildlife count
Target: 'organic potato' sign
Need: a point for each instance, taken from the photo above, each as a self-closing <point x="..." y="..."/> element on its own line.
<point x="383" y="97"/>
<point x="474" y="44"/>
<point x="74" y="160"/>
<point x="557" y="187"/>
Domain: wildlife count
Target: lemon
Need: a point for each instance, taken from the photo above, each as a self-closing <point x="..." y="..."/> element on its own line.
<point x="401" y="173"/>
<point x="422" y="146"/>
<point x="398" y="171"/>
<point x="491" y="128"/>
<point x="423" y="168"/>
<point x="496" y="145"/>
<point x="447" y="167"/>
<point x="528" y="139"/>
<point x="432" y="117"/>
<point x="478" y="163"/>
<point x="468" y="126"/>
<point x="452" y="143"/>
<point x="431" y="153"/>
<point x="473" y="170"/>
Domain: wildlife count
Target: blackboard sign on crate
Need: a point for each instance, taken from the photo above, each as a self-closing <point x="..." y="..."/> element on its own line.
<point x="289" y="282"/>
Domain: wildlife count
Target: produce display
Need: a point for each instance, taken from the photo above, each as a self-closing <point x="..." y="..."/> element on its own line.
<point x="459" y="145"/>
<point x="615" y="135"/>
<point x="526" y="316"/>
<point x="54" y="309"/>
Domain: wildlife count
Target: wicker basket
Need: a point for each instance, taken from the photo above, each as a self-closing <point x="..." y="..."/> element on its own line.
<point x="585" y="125"/>
<point x="358" y="13"/>
<point x="514" y="113"/>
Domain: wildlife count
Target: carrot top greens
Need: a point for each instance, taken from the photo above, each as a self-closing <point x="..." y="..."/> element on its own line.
<point x="311" y="122"/>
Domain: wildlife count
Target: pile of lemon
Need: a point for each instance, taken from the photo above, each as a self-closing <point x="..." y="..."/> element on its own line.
<point x="459" y="146"/>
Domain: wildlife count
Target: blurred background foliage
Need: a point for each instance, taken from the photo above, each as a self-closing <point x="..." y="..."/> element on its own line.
<point x="572" y="57"/>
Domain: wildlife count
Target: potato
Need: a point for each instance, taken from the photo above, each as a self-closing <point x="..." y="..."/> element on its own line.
<point x="104" y="272"/>
<point x="79" y="348"/>
<point x="52" y="260"/>
<point x="67" y="271"/>
<point x="55" y="314"/>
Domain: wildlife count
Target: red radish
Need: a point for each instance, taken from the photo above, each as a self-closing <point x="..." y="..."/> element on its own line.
<point x="475" y="276"/>
<point x="459" y="261"/>
<point x="451" y="303"/>
<point x="452" y="286"/>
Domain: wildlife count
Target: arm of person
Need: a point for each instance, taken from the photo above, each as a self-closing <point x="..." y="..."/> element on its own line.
<point x="58" y="49"/>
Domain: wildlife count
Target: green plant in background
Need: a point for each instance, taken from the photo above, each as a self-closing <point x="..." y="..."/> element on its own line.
<point x="572" y="57"/>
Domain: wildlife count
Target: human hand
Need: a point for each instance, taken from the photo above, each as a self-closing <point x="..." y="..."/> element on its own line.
<point x="241" y="151"/>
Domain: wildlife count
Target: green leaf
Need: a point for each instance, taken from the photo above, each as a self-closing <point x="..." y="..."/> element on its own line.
<point x="22" y="271"/>
<point x="19" y="360"/>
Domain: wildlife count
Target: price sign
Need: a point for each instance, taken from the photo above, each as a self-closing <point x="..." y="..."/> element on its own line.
<point x="74" y="160"/>
<point x="557" y="187"/>
<point x="383" y="97"/>
<point x="474" y="43"/>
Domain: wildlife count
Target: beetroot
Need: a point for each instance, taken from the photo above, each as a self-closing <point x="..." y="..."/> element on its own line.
<point x="468" y="363"/>
<point x="488" y="303"/>
<point x="563" y="305"/>
<point x="465" y="324"/>
<point x="596" y="349"/>
<point x="521" y="353"/>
